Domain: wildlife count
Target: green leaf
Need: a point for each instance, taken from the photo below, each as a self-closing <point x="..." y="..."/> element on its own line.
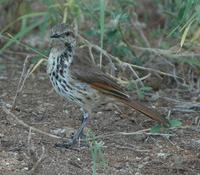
<point x="131" y="86"/>
<point x="146" y="88"/>
<point x="185" y="34"/>
<point x="32" y="15"/>
<point x="175" y="123"/>
<point x="181" y="13"/>
<point x="96" y="150"/>
<point x="141" y="91"/>
<point x="157" y="128"/>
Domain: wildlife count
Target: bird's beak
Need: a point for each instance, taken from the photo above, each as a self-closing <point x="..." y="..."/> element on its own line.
<point x="55" y="36"/>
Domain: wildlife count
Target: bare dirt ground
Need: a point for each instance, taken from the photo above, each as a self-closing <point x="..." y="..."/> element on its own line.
<point x="140" y="154"/>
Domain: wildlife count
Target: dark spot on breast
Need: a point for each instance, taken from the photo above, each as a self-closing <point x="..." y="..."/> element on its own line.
<point x="87" y="97"/>
<point x="65" y="65"/>
<point x="79" y="99"/>
<point x="69" y="47"/>
<point x="64" y="57"/>
<point x="71" y="97"/>
<point x="63" y="86"/>
<point x="62" y="60"/>
<point x="69" y="87"/>
<point x="53" y="74"/>
<point x="61" y="72"/>
<point x="64" y="82"/>
<point x="65" y="54"/>
<point x="57" y="67"/>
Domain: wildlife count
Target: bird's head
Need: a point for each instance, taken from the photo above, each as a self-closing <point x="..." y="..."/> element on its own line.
<point x="62" y="35"/>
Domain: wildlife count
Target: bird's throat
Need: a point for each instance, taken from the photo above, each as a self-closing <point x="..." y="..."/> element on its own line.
<point x="70" y="47"/>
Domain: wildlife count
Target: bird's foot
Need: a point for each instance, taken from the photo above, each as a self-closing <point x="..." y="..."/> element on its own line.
<point x="78" y="140"/>
<point x="66" y="144"/>
<point x="77" y="137"/>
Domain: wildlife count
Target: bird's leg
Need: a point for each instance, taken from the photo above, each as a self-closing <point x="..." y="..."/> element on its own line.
<point x="79" y="133"/>
<point x="84" y="121"/>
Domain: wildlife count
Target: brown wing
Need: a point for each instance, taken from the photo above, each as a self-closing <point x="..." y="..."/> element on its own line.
<point x="84" y="70"/>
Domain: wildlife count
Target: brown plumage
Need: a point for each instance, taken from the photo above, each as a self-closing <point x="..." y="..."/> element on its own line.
<point x="84" y="70"/>
<point x="77" y="79"/>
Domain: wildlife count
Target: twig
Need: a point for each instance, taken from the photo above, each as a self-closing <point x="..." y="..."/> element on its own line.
<point x="10" y="114"/>
<point x="37" y="65"/>
<point x="168" y="53"/>
<point x="91" y="54"/>
<point x="128" y="147"/>
<point x="138" y="78"/>
<point x="124" y="82"/>
<point x="123" y="133"/>
<point x="37" y="164"/>
<point x="153" y="70"/>
<point x="23" y="77"/>
<point x="144" y="131"/>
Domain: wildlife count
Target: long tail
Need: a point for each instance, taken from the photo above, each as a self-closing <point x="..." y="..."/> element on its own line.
<point x="124" y="98"/>
<point x="151" y="113"/>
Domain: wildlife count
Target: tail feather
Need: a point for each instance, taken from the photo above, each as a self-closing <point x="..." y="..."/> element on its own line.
<point x="154" y="115"/>
<point x="121" y="96"/>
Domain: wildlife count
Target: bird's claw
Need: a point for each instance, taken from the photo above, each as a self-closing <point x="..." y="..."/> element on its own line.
<point x="69" y="144"/>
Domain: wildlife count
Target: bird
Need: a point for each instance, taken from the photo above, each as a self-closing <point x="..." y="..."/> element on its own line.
<point x="77" y="79"/>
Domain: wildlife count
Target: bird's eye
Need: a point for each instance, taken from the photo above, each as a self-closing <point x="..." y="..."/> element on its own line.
<point x="67" y="33"/>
